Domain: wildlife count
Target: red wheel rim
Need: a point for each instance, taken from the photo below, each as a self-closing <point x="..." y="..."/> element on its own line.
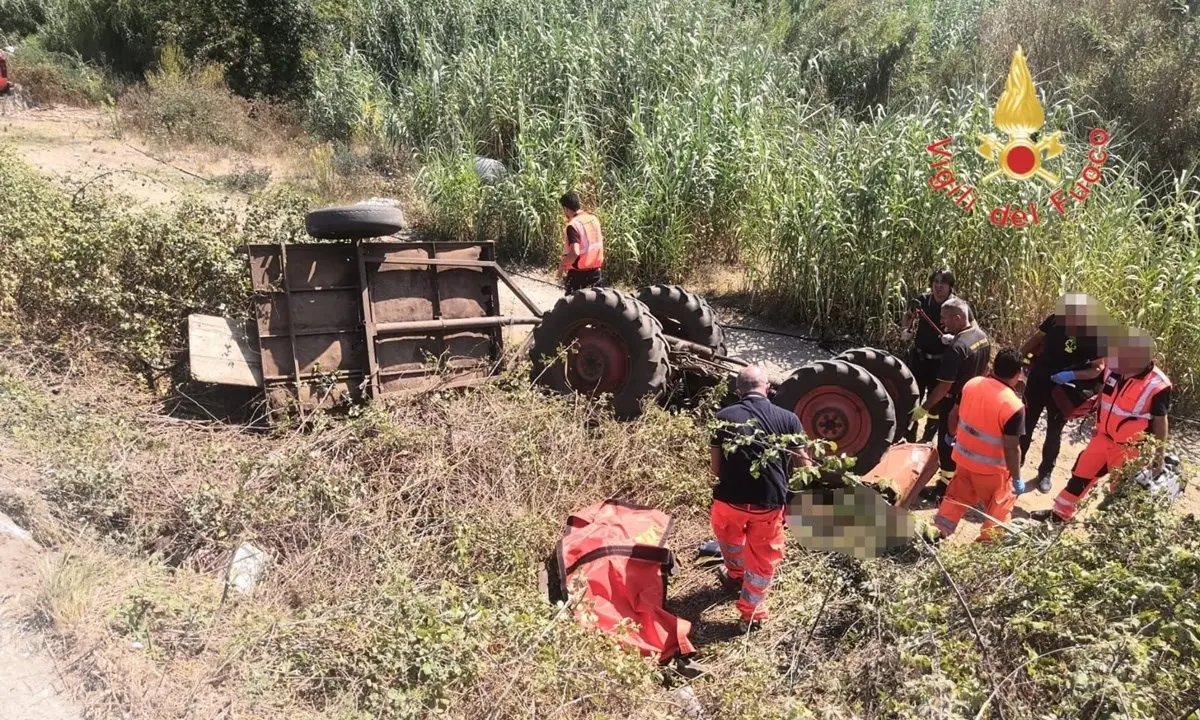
<point x="597" y="358"/>
<point x="836" y="414"/>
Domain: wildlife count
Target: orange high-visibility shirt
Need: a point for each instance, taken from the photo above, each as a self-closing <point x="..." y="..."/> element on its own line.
<point x="1125" y="403"/>
<point x="591" y="243"/>
<point x="986" y="405"/>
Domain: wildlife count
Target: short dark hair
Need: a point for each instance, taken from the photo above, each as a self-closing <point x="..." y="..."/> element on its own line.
<point x="570" y="201"/>
<point x="942" y="275"/>
<point x="1007" y="364"/>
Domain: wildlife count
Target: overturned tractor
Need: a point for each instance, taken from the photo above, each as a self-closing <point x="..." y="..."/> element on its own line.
<point x="603" y="341"/>
<point x="356" y="317"/>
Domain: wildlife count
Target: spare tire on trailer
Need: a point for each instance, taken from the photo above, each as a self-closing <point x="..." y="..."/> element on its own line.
<point x="354" y="222"/>
<point x="842" y="403"/>
<point x="612" y="345"/>
<point x="684" y="315"/>
<point x="897" y="379"/>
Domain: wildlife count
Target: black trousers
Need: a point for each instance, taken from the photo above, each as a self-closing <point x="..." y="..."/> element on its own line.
<point x="945" y="449"/>
<point x="580" y="279"/>
<point x="925" y="370"/>
<point x="1037" y="399"/>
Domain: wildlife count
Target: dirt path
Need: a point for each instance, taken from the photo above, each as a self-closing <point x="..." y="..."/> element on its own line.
<point x="30" y="688"/>
<point x="85" y="148"/>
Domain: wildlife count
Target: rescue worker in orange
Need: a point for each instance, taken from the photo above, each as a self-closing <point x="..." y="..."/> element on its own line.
<point x="749" y="502"/>
<point x="583" y="247"/>
<point x="1135" y="398"/>
<point x="986" y="426"/>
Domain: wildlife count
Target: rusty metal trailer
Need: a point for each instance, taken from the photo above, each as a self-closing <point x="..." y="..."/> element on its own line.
<point x="360" y="319"/>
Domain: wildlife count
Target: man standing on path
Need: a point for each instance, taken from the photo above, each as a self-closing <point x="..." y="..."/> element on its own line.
<point x="922" y="324"/>
<point x="1135" y="398"/>
<point x="1069" y="357"/>
<point x="753" y="450"/>
<point x="967" y="356"/>
<point x="583" y="246"/>
<point x="987" y="426"/>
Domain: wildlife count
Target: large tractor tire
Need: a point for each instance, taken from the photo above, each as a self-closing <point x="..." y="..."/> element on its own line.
<point x="684" y="315"/>
<point x="842" y="403"/>
<point x="897" y="379"/>
<point x="611" y="343"/>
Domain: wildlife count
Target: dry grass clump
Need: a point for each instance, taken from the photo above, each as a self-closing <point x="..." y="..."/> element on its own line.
<point x="183" y="102"/>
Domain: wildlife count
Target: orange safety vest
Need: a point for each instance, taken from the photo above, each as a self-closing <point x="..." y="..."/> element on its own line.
<point x="1125" y="404"/>
<point x="985" y="406"/>
<point x="591" y="243"/>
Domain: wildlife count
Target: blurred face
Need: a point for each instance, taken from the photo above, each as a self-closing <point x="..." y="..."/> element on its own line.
<point x="954" y="321"/>
<point x="1075" y="313"/>
<point x="1132" y="357"/>
<point x="941" y="290"/>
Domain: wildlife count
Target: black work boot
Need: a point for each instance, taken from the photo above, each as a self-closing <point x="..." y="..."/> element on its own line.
<point x="1046" y="516"/>
<point x="749" y="626"/>
<point x="731" y="584"/>
<point x="934" y="493"/>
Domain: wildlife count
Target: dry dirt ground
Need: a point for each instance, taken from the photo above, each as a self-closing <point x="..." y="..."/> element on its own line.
<point x="30" y="685"/>
<point x="83" y="147"/>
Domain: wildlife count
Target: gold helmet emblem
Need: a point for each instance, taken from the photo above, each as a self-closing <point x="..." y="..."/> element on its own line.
<point x="1019" y="115"/>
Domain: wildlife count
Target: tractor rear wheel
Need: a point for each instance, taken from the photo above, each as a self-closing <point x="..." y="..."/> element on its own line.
<point x="842" y="403"/>
<point x="611" y="344"/>
<point x="684" y="315"/>
<point x="897" y="379"/>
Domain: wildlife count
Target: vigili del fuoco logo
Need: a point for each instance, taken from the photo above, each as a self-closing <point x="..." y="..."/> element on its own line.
<point x="1017" y="157"/>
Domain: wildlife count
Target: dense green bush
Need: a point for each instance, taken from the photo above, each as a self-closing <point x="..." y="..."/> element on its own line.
<point x="82" y="264"/>
<point x="262" y="44"/>
<point x="56" y="78"/>
<point x="20" y="17"/>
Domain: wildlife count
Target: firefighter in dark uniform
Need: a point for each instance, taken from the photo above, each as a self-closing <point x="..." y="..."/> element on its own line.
<point x="968" y="354"/>
<point x="1069" y="355"/>
<point x="923" y="324"/>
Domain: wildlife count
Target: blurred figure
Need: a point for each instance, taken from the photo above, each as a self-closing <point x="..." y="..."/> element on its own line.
<point x="987" y="426"/>
<point x="1135" y="398"/>
<point x="922" y="323"/>
<point x="1067" y="351"/>
<point x="750" y="498"/>
<point x="583" y="246"/>
<point x="967" y="356"/>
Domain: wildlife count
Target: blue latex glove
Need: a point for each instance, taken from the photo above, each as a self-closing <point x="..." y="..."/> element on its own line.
<point x="1018" y="485"/>
<point x="1065" y="376"/>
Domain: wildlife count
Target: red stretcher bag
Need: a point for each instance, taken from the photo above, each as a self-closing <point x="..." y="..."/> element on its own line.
<point x="618" y="551"/>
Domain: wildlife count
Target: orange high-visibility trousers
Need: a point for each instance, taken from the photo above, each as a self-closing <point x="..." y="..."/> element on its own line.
<point x="990" y="492"/>
<point x="1101" y="456"/>
<point x="752" y="541"/>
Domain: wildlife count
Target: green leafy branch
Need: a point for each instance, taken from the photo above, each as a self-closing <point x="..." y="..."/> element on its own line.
<point x="824" y="461"/>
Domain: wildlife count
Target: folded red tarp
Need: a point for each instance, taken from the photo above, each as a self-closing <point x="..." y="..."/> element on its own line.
<point x="619" y="549"/>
